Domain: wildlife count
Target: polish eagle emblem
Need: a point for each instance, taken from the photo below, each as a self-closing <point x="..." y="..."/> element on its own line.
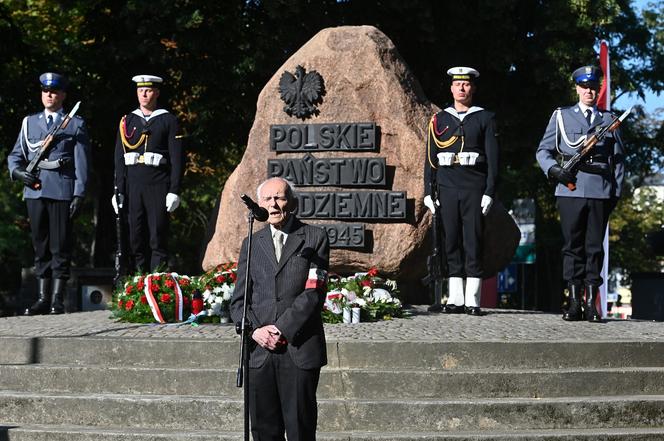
<point x="301" y="92"/>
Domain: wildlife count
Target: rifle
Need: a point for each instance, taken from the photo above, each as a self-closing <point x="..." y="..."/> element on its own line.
<point x="46" y="144"/>
<point x="573" y="164"/>
<point x="120" y="258"/>
<point x="435" y="267"/>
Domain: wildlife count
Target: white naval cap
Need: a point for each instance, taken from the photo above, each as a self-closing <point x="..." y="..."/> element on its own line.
<point x="462" y="73"/>
<point x="147" y="81"/>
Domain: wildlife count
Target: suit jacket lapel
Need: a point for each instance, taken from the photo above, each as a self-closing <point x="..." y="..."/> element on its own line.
<point x="264" y="241"/>
<point x="295" y="239"/>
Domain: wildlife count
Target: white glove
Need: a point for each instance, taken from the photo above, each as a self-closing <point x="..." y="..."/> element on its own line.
<point x="117" y="203"/>
<point x="172" y="202"/>
<point x="430" y="204"/>
<point x="487" y="202"/>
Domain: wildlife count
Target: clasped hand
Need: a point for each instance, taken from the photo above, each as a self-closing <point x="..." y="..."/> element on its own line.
<point x="268" y="337"/>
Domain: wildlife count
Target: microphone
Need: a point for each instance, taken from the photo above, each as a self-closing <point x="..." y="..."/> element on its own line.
<point x="260" y="213"/>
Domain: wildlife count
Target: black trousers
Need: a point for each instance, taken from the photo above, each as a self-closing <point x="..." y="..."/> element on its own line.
<point x="283" y="398"/>
<point x="462" y="222"/>
<point x="583" y="223"/>
<point x="50" y="229"/>
<point x="148" y="225"/>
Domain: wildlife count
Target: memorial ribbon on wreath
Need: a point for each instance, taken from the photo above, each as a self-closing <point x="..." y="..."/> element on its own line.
<point x="154" y="304"/>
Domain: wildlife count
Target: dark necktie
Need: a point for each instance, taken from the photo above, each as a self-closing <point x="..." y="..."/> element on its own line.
<point x="589" y="113"/>
<point x="49" y="122"/>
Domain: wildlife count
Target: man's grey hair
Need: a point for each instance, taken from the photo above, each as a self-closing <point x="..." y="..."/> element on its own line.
<point x="290" y="188"/>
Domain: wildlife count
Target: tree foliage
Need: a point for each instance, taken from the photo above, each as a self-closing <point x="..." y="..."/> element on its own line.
<point x="216" y="57"/>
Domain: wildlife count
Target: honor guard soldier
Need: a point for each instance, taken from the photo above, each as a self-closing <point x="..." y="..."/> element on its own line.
<point x="149" y="165"/>
<point x="461" y="167"/>
<point x="54" y="189"/>
<point x="584" y="211"/>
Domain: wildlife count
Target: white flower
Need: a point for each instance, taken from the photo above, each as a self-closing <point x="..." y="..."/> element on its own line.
<point x="217" y="289"/>
<point x="206" y="294"/>
<point x="360" y="302"/>
<point x="228" y="292"/>
<point x="349" y="295"/>
<point x="381" y="295"/>
<point x="219" y="300"/>
<point x="215" y="309"/>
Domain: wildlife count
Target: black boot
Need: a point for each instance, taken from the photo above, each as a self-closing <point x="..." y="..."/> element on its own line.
<point x="574" y="302"/>
<point x="593" y="306"/>
<point x="41" y="306"/>
<point x="57" y="303"/>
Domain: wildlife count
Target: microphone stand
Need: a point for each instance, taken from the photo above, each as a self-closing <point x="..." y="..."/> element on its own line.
<point x="244" y="329"/>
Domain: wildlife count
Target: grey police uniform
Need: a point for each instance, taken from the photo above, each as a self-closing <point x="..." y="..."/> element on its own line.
<point x="584" y="212"/>
<point x="63" y="175"/>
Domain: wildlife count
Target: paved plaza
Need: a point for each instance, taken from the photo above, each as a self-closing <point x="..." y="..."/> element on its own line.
<point x="419" y="325"/>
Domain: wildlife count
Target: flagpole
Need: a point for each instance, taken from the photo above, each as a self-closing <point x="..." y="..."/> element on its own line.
<point x="605" y="101"/>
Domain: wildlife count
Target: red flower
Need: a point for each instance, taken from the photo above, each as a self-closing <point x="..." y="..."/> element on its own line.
<point x="184" y="282"/>
<point x="366" y="283"/>
<point x="154" y="287"/>
<point x="129" y="305"/>
<point x="169" y="283"/>
<point x="373" y="272"/>
<point x="165" y="298"/>
<point x="140" y="285"/>
<point x="220" y="279"/>
<point x="129" y="288"/>
<point x="120" y="303"/>
<point x="144" y="300"/>
<point x="185" y="300"/>
<point x="233" y="277"/>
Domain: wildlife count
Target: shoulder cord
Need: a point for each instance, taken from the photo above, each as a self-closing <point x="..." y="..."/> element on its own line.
<point x="125" y="142"/>
<point x="32" y="146"/>
<point x="440" y="144"/>
<point x="560" y="128"/>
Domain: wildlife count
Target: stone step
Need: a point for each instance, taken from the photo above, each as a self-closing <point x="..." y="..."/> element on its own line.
<point x="340" y="383"/>
<point x="75" y="433"/>
<point x="392" y="416"/>
<point x="344" y="354"/>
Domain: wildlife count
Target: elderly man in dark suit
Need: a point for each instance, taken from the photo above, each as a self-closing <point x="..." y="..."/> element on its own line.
<point x="584" y="211"/>
<point x="54" y="192"/>
<point x="286" y="291"/>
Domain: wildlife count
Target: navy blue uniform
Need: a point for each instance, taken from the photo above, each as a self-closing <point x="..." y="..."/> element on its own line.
<point x="145" y="186"/>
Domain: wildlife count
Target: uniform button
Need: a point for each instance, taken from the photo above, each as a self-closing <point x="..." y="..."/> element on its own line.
<point x="278" y="299"/>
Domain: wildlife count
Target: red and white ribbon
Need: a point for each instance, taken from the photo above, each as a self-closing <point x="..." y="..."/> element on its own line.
<point x="154" y="304"/>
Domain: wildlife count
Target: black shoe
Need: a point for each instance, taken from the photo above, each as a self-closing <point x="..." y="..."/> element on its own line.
<point x="436" y="308"/>
<point x="454" y="309"/>
<point x="42" y="305"/>
<point x="574" y="312"/>
<point x="593" y="309"/>
<point x="473" y="310"/>
<point x="57" y="302"/>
